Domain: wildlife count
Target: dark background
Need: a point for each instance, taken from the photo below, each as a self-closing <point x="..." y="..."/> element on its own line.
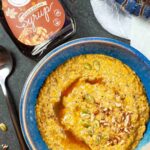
<point x="87" y="25"/>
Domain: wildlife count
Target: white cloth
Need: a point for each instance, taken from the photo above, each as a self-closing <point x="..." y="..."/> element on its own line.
<point x="140" y="35"/>
<point x="119" y="23"/>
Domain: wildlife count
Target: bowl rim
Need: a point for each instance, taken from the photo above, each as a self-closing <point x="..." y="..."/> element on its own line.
<point x="44" y="60"/>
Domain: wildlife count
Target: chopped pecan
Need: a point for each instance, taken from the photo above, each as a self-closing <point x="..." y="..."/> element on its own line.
<point x="104" y="123"/>
<point x="107" y="111"/>
<point x="118" y="104"/>
<point x="4" y="147"/>
<point x="126" y="130"/>
<point x="114" y="141"/>
<point x="127" y="121"/>
<point x="96" y="112"/>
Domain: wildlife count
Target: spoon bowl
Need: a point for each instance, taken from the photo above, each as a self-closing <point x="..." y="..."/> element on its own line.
<point x="6" y="64"/>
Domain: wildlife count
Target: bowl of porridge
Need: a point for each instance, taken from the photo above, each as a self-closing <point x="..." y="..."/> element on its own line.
<point x="90" y="94"/>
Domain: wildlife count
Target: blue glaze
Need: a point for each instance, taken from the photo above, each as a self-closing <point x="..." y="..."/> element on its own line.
<point x="130" y="6"/>
<point x="120" y="1"/>
<point x="128" y="55"/>
<point x="137" y="10"/>
<point x="133" y="7"/>
<point x="146" y="12"/>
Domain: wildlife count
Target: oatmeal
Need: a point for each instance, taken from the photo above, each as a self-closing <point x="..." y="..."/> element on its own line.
<point x="92" y="105"/>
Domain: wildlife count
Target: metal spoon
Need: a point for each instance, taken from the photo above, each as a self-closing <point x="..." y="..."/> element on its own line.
<point x="6" y="64"/>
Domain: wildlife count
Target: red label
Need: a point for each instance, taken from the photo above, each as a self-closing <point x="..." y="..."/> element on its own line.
<point x="34" y="21"/>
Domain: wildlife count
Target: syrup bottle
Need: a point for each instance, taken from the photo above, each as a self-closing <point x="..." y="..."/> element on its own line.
<point x="36" y="26"/>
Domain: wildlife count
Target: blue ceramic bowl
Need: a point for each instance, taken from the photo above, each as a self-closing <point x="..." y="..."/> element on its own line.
<point x="51" y="61"/>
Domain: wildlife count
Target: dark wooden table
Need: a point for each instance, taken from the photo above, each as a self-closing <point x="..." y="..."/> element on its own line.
<point x="87" y="26"/>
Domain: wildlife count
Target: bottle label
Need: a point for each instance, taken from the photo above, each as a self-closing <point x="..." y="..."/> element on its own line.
<point x="34" y="21"/>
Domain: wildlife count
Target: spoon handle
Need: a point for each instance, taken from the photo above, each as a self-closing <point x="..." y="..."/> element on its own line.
<point x="14" y="117"/>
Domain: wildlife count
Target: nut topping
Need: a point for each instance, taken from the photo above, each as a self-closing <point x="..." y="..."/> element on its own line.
<point x="3" y="127"/>
<point x="118" y="104"/>
<point x="92" y="117"/>
<point x="104" y="123"/>
<point x="4" y="147"/>
<point x="127" y="120"/>
<point x="114" y="141"/>
<point x="96" y="112"/>
<point x="126" y="130"/>
<point x="107" y="111"/>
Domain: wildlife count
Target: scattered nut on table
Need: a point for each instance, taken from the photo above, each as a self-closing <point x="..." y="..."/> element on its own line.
<point x="3" y="127"/>
<point x="4" y="147"/>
